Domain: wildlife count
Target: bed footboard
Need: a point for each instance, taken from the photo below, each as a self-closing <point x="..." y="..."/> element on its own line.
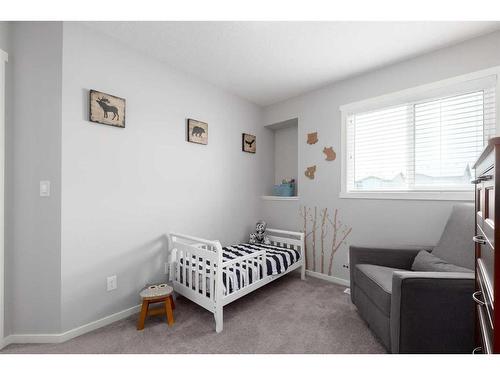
<point x="193" y="268"/>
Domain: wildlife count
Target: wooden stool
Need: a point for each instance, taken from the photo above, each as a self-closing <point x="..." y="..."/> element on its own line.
<point x="156" y="294"/>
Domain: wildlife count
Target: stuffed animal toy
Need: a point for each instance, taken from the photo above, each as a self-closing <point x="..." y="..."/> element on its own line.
<point x="259" y="236"/>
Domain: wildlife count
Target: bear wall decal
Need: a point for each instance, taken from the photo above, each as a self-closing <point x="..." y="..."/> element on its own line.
<point x="330" y="154"/>
<point x="312" y="138"/>
<point x="310" y="172"/>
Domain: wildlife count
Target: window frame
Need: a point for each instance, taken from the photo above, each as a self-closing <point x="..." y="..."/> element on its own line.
<point x="3" y="95"/>
<point x="450" y="86"/>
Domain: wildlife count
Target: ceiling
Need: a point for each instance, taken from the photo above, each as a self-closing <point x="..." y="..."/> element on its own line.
<point x="267" y="62"/>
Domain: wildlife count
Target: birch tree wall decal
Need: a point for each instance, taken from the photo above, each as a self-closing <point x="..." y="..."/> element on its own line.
<point x="314" y="227"/>
<point x="339" y="230"/>
<point x="324" y="232"/>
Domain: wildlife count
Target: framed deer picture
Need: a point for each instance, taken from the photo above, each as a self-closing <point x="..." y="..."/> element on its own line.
<point x="107" y="109"/>
<point x="197" y="131"/>
<point x="248" y="143"/>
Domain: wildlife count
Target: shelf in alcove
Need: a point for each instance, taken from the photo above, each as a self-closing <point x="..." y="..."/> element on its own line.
<point x="276" y="198"/>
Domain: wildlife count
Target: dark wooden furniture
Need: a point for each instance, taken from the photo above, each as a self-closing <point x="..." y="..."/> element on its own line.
<point x="487" y="264"/>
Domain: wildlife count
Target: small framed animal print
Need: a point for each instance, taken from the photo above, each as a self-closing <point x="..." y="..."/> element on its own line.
<point x="197" y="131"/>
<point x="248" y="143"/>
<point x="107" y="109"/>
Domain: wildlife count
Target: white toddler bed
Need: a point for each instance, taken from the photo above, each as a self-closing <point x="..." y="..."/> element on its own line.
<point x="195" y="272"/>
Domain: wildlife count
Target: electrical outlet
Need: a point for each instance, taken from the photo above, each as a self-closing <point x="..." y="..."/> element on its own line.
<point x="165" y="271"/>
<point x="111" y="283"/>
<point x="345" y="266"/>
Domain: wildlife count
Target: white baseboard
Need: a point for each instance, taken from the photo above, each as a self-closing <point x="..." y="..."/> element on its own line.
<point x="56" y="338"/>
<point x="5" y="341"/>
<point x="332" y="279"/>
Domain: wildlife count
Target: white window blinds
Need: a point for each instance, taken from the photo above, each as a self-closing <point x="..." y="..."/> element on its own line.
<point x="424" y="145"/>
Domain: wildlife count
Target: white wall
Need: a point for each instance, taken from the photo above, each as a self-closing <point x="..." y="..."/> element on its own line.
<point x="33" y="137"/>
<point x="374" y="222"/>
<point x="124" y="189"/>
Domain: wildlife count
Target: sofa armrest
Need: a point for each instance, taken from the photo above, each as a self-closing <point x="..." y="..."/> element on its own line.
<point x="432" y="312"/>
<point x="388" y="257"/>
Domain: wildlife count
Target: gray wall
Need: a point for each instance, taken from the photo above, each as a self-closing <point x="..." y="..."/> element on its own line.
<point x="33" y="138"/>
<point x="116" y="192"/>
<point x="374" y="222"/>
<point x="4" y="35"/>
<point x="285" y="153"/>
<point x="5" y="46"/>
<point x="124" y="189"/>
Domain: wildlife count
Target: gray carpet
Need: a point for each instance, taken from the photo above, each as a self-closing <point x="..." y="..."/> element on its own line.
<point x="286" y="316"/>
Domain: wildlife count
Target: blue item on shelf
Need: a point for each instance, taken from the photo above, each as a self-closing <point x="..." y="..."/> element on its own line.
<point x="276" y="190"/>
<point x="284" y="190"/>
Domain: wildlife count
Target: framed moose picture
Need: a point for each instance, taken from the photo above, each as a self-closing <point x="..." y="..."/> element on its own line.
<point x="197" y="131"/>
<point x="248" y="143"/>
<point x="107" y="109"/>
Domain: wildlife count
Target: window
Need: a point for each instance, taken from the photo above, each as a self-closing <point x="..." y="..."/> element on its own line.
<point x="424" y="142"/>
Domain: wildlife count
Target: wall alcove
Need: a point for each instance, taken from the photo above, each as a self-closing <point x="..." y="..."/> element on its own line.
<point x="285" y="154"/>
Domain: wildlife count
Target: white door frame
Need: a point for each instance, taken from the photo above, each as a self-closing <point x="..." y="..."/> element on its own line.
<point x="3" y="60"/>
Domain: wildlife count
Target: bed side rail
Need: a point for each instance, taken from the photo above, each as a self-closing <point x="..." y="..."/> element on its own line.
<point x="242" y="272"/>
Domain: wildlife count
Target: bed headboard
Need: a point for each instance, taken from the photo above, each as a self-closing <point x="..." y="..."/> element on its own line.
<point x="285" y="237"/>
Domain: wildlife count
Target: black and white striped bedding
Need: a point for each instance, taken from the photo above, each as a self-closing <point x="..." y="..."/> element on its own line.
<point x="278" y="260"/>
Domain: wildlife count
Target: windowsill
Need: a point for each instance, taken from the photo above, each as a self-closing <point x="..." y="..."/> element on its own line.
<point x="277" y="198"/>
<point x="413" y="195"/>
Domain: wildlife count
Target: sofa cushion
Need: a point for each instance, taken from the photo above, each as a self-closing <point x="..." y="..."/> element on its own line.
<point x="376" y="282"/>
<point x="425" y="261"/>
<point x="455" y="245"/>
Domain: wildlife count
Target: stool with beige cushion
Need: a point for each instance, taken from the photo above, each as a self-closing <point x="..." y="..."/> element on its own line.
<point x="157" y="294"/>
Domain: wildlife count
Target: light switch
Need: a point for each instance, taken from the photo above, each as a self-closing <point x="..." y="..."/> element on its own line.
<point x="111" y="283"/>
<point x="45" y="188"/>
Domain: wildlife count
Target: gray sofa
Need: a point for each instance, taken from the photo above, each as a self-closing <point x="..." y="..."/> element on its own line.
<point x="419" y="312"/>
